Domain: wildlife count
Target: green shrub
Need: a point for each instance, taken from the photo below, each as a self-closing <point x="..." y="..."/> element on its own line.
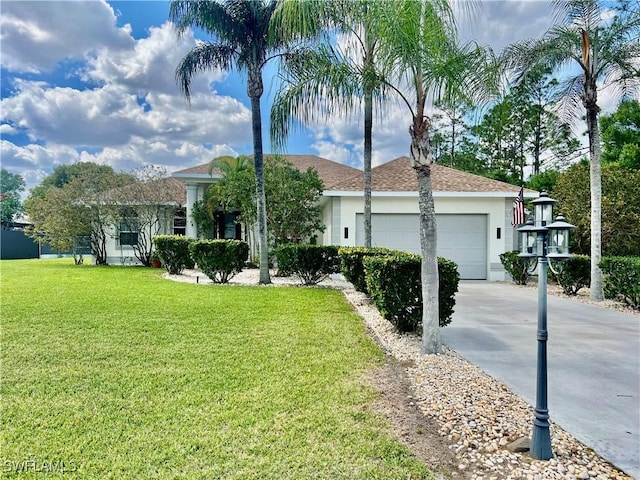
<point x="173" y="251"/>
<point x="515" y="266"/>
<point x="573" y="273"/>
<point x="622" y="279"/>
<point x="311" y="263"/>
<point x="395" y="286"/>
<point x="351" y="265"/>
<point x="219" y="259"/>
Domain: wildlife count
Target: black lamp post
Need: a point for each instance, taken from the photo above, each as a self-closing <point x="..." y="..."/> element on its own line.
<point x="542" y="240"/>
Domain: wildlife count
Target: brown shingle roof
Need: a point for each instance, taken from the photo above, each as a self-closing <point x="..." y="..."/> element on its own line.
<point x="330" y="172"/>
<point x="166" y="190"/>
<point x="398" y="176"/>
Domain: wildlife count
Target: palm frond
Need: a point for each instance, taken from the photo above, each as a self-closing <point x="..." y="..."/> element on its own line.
<point x="570" y="107"/>
<point x="202" y="57"/>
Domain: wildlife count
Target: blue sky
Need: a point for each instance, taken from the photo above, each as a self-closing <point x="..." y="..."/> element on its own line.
<point x="94" y="81"/>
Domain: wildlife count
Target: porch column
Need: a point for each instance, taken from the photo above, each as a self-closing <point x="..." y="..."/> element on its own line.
<point x="192" y="197"/>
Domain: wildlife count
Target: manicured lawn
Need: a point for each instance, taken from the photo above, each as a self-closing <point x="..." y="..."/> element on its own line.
<point x="113" y="372"/>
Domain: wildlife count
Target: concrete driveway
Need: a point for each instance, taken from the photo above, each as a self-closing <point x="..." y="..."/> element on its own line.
<point x="593" y="361"/>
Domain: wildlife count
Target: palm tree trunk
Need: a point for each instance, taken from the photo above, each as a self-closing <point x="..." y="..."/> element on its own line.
<point x="431" y="340"/>
<point x="595" y="178"/>
<point x="256" y="125"/>
<point x="368" y="128"/>
<point x="421" y="162"/>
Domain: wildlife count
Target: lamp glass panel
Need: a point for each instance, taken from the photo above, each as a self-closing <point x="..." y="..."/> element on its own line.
<point x="531" y="242"/>
<point x="540" y="245"/>
<point x="523" y="242"/>
<point x="563" y="241"/>
<point x="547" y="213"/>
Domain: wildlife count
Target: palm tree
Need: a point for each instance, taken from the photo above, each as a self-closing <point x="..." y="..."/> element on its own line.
<point x="606" y="52"/>
<point x="244" y="40"/>
<point x="418" y="40"/>
<point x="330" y="79"/>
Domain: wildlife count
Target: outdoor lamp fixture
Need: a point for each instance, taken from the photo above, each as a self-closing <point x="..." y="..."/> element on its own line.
<point x="542" y="240"/>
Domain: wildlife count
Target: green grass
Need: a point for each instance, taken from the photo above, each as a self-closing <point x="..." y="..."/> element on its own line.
<point x="113" y="372"/>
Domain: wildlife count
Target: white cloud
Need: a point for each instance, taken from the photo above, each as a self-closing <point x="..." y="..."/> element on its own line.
<point x="150" y="66"/>
<point x="6" y="129"/>
<point x="38" y="35"/>
<point x="499" y="23"/>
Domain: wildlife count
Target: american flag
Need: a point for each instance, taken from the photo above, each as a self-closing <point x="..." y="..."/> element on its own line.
<point x="519" y="216"/>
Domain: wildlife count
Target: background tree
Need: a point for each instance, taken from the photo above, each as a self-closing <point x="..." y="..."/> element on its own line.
<point x="450" y="125"/>
<point x="62" y="214"/>
<point x="245" y="38"/>
<point x="419" y="42"/>
<point x="59" y="219"/>
<point x="620" y="207"/>
<point x="601" y="39"/>
<point x="621" y="135"/>
<point x="63" y="174"/>
<point x="11" y="185"/>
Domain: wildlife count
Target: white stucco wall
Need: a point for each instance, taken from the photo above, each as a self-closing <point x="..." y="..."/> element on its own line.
<point x="342" y="209"/>
<point x="123" y="254"/>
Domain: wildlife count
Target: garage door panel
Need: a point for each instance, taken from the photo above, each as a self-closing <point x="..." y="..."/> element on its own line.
<point x="461" y="238"/>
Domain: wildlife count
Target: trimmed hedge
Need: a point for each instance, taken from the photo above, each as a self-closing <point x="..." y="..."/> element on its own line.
<point x="515" y="266"/>
<point x="352" y="267"/>
<point x="573" y="273"/>
<point x="310" y="263"/>
<point x="622" y="279"/>
<point x="219" y="259"/>
<point x="395" y="286"/>
<point x="173" y="251"/>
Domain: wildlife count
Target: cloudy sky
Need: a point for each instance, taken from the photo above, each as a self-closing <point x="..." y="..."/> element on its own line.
<point x="94" y="81"/>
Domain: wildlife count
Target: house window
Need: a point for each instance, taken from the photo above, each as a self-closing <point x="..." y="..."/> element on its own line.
<point x="127" y="230"/>
<point x="180" y="221"/>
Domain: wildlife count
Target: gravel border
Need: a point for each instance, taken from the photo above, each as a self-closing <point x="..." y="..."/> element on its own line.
<point x="476" y="413"/>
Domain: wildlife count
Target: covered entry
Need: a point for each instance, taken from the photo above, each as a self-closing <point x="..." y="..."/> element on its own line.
<point x="461" y="238"/>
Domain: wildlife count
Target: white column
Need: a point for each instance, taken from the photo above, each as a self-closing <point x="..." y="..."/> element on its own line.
<point x="192" y="197"/>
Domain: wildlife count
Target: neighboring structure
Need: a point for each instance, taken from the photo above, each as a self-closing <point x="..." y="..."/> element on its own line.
<point x="473" y="212"/>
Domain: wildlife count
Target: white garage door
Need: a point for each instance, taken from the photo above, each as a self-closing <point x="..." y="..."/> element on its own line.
<point x="461" y="238"/>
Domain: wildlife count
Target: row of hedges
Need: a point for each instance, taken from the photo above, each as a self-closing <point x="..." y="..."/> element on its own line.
<point x="393" y="281"/>
<point x="621" y="275"/>
<point x="218" y="259"/>
<point x="622" y="279"/>
<point x="572" y="274"/>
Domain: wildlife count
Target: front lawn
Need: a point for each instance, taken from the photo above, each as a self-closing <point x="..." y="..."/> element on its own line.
<point x="113" y="372"/>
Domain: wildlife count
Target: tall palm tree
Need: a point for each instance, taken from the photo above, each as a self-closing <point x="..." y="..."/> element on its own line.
<point x="243" y="40"/>
<point x="418" y="39"/>
<point x="331" y="79"/>
<point x="606" y="51"/>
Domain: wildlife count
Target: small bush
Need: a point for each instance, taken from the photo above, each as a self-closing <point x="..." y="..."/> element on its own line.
<point x="351" y="265"/>
<point x="573" y="273"/>
<point x="173" y="251"/>
<point x="219" y="260"/>
<point x="311" y="263"/>
<point x="515" y="266"/>
<point x="395" y="285"/>
<point x="622" y="279"/>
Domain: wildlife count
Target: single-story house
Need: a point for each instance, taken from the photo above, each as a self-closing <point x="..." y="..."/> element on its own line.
<point x="473" y="213"/>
